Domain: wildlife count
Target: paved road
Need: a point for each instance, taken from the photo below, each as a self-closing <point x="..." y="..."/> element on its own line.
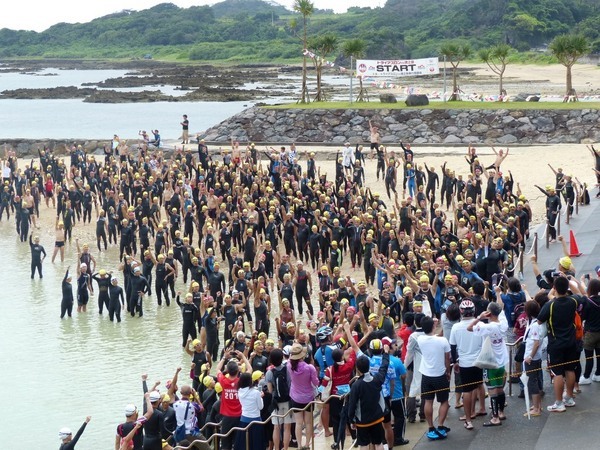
<point x="577" y="427"/>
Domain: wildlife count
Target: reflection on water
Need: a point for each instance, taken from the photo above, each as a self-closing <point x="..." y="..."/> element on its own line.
<point x="67" y="369"/>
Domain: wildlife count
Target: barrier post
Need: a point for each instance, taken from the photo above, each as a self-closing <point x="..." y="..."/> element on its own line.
<point x="568" y="214"/>
<point x="547" y="234"/>
<point x="248" y="436"/>
<point x="535" y="244"/>
<point x="558" y="222"/>
<point x="511" y="370"/>
<point x="521" y="261"/>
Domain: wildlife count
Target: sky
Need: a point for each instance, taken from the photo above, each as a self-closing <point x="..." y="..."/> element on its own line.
<point x="40" y="14"/>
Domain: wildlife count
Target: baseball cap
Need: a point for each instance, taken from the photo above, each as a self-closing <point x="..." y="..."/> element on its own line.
<point x="130" y="410"/>
<point x="386" y="341"/>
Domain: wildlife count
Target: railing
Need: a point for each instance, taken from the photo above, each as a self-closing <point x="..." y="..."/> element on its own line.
<point x="205" y="444"/>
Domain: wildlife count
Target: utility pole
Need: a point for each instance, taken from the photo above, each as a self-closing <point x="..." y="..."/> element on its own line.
<point x="444" y="77"/>
<point x="351" y="77"/>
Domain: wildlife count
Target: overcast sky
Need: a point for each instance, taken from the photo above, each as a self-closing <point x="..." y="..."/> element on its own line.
<point x="40" y="14"/>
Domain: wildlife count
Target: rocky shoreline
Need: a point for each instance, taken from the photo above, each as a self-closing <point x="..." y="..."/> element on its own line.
<point x="200" y="82"/>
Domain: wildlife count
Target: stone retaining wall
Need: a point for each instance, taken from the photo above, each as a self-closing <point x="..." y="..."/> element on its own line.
<point x="418" y="126"/>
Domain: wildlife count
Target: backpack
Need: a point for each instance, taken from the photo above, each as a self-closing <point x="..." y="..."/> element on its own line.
<point x="180" y="432"/>
<point x="281" y="388"/>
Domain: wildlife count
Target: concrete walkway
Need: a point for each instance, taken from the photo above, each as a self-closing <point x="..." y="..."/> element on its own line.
<point x="573" y="429"/>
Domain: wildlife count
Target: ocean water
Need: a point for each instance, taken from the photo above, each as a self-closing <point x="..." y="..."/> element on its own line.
<point x="60" y="371"/>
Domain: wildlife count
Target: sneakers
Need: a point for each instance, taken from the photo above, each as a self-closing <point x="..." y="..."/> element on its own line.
<point x="557" y="407"/>
<point x="583" y="380"/>
<point x="570" y="402"/>
<point x="436" y="434"/>
<point x="595" y="378"/>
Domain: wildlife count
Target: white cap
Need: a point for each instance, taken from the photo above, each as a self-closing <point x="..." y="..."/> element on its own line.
<point x="113" y="279"/>
<point x="83" y="266"/>
<point x="137" y="269"/>
<point x="240" y="334"/>
<point x="286" y="350"/>
<point x="155" y="396"/>
<point x="130" y="410"/>
<point x="64" y="433"/>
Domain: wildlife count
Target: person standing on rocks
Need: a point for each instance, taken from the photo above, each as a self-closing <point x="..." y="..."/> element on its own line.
<point x="185" y="124"/>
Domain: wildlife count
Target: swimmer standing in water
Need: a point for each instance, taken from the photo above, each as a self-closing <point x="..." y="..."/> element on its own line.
<point x="68" y="442"/>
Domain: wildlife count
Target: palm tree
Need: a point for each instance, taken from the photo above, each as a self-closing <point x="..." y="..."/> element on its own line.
<point x="306" y="8"/>
<point x="356" y="48"/>
<point x="497" y="59"/>
<point x="455" y="54"/>
<point x="322" y="46"/>
<point x="568" y="48"/>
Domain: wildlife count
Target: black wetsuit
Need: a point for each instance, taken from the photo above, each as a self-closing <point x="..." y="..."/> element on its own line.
<point x="137" y="285"/>
<point x="115" y="295"/>
<point x="37" y="251"/>
<point x="189" y="314"/>
<point x="66" y="305"/>
<point x="103" y="297"/>
<point x="71" y="445"/>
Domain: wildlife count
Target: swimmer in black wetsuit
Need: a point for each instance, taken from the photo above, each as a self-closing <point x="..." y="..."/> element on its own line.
<point x="84" y="286"/>
<point x="189" y="314"/>
<point x="37" y="251"/>
<point x="103" y="280"/>
<point x="116" y="300"/>
<point x="68" y="442"/>
<point x="66" y="305"/>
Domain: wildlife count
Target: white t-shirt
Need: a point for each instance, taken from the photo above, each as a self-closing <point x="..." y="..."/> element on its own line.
<point x="496" y="331"/>
<point x="180" y="406"/>
<point x="251" y="402"/>
<point x="532" y="334"/>
<point x="433" y="355"/>
<point x="468" y="345"/>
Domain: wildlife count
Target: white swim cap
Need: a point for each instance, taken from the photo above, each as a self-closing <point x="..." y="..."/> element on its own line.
<point x="64" y="433"/>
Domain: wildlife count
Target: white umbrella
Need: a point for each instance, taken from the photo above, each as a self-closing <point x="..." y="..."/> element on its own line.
<point x="524" y="379"/>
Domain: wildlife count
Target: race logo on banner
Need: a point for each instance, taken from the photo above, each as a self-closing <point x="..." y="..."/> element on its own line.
<point x="397" y="67"/>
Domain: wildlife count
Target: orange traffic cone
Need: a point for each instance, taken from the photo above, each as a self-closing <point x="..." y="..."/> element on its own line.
<point x="573" y="249"/>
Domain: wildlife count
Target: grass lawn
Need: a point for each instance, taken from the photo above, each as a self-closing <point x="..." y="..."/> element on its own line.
<point x="441" y="105"/>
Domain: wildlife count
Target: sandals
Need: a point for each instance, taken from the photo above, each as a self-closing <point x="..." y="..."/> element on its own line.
<point x="469" y="425"/>
<point x="532" y="414"/>
<point x="492" y="424"/>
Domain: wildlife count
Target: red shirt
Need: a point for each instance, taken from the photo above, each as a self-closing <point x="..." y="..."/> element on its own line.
<point x="342" y="374"/>
<point x="230" y="404"/>
<point x="521" y="325"/>
<point x="404" y="333"/>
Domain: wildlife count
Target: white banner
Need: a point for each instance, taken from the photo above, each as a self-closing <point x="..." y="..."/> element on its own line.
<point x="397" y="67"/>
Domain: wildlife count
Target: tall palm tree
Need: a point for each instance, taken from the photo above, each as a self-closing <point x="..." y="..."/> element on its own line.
<point x="568" y="48"/>
<point x="323" y="46"/>
<point x="306" y="8"/>
<point x="356" y="48"/>
<point x="497" y="59"/>
<point x="455" y="54"/>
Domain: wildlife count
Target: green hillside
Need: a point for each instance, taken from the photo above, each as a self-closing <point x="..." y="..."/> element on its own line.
<point x="258" y="31"/>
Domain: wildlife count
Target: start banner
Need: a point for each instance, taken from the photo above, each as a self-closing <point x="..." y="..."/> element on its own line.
<point x="397" y="67"/>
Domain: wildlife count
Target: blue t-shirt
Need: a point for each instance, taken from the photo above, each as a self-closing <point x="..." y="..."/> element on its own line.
<point x="399" y="370"/>
<point x="375" y="361"/>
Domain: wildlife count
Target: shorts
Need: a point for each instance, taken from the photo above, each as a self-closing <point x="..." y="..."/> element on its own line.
<point x="494" y="378"/>
<point x="387" y="418"/>
<point x="373" y="434"/>
<point x="471" y="378"/>
<point x="282" y="410"/>
<point x="561" y="360"/>
<point x="294" y="404"/>
<point x="374" y="145"/>
<point x="435" y="387"/>
<point x="457" y="382"/>
<point x="59" y="244"/>
<point x="591" y="340"/>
